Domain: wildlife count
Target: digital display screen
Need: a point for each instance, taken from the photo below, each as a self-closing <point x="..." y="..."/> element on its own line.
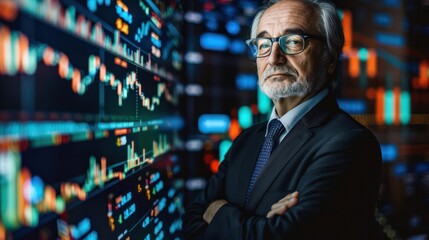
<point x="89" y="119"/>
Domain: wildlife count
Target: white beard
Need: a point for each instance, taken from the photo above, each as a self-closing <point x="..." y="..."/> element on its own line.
<point x="298" y="87"/>
<point x="283" y="89"/>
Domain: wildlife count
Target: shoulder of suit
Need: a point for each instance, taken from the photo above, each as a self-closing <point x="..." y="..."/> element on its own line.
<point x="257" y="127"/>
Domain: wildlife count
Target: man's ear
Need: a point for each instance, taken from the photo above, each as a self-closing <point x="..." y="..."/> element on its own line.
<point x="332" y="64"/>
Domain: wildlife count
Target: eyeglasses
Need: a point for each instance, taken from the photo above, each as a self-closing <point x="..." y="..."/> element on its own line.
<point x="290" y="44"/>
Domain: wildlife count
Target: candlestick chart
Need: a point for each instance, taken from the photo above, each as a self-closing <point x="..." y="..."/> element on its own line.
<point x="385" y="86"/>
<point x="89" y="119"/>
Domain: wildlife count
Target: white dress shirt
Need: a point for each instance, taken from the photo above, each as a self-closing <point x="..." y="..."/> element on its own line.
<point x="295" y="114"/>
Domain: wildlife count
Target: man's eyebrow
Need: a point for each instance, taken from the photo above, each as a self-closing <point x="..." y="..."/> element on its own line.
<point x="262" y="34"/>
<point x="286" y="31"/>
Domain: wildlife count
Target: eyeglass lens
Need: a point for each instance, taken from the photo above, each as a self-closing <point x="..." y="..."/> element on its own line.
<point x="290" y="44"/>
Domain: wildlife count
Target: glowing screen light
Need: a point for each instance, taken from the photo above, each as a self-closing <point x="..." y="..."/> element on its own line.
<point x="213" y="123"/>
<point x="194" y="145"/>
<point x="405" y="107"/>
<point x="392" y="3"/>
<point x="245" y="117"/>
<point x="246" y="81"/>
<point x="195" y="184"/>
<point x="264" y="103"/>
<point x="390" y="39"/>
<point x="400" y="169"/>
<point x="212" y="24"/>
<point x="233" y="27"/>
<point x="382" y="19"/>
<point x="389" y="152"/>
<point x="223" y="148"/>
<point x="229" y="10"/>
<point x="363" y="54"/>
<point x="353" y="106"/>
<point x="92" y="4"/>
<point x="194" y="57"/>
<point x="193" y="17"/>
<point x="114" y="94"/>
<point x="237" y="46"/>
<point x="194" y="90"/>
<point x="421" y="168"/>
<point x="214" y="41"/>
<point x="33" y="190"/>
<point x="389" y="108"/>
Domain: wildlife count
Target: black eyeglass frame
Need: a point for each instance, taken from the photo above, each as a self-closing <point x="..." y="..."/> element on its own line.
<point x="304" y="36"/>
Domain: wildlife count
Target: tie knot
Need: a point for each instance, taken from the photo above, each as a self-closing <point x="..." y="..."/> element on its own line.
<point x="275" y="128"/>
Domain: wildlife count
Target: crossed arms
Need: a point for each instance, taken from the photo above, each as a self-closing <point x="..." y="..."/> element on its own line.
<point x="277" y="208"/>
<point x="337" y="193"/>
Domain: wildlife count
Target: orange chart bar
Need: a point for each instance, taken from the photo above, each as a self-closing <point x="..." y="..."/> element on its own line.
<point x="8" y="11"/>
<point x="424" y="74"/>
<point x="354" y="64"/>
<point x="379" y="106"/>
<point x="371" y="63"/>
<point x="348" y="33"/>
<point x="2" y="232"/>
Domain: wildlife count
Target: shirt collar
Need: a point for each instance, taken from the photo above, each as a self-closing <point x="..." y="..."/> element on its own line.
<point x="295" y="114"/>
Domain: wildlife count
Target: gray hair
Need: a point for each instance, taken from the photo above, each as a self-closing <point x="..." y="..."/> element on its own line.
<point x="329" y="25"/>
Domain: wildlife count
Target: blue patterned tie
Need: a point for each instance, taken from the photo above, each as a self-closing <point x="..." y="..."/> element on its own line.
<point x="275" y="129"/>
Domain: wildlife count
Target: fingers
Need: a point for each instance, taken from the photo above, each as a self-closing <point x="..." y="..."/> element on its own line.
<point x="277" y="211"/>
<point x="289" y="196"/>
<point x="280" y="208"/>
<point x="283" y="205"/>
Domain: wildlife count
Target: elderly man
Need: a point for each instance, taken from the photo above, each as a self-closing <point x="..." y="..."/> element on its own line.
<point x="311" y="171"/>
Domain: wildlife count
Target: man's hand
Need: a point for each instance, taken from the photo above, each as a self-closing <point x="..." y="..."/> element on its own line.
<point x="283" y="205"/>
<point x="212" y="210"/>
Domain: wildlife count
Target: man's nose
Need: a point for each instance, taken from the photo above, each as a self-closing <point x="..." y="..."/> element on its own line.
<point x="276" y="56"/>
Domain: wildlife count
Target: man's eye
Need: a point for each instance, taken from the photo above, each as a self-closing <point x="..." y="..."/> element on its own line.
<point x="264" y="46"/>
<point x="293" y="42"/>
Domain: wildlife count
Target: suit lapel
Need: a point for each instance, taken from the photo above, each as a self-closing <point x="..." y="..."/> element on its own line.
<point x="279" y="158"/>
<point x="291" y="144"/>
<point x="249" y="160"/>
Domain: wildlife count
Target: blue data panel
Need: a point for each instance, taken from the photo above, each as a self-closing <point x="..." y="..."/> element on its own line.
<point x="214" y="123"/>
<point x="89" y="119"/>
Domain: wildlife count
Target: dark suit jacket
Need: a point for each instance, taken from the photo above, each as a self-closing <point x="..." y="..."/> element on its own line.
<point x="329" y="158"/>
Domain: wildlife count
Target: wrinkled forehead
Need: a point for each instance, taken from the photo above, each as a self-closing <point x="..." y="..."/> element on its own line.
<point x="290" y="16"/>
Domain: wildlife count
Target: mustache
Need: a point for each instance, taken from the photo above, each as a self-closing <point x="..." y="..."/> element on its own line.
<point x="279" y="70"/>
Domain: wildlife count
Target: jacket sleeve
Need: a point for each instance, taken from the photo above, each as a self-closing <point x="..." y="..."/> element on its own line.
<point x="339" y="188"/>
<point x="194" y="224"/>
